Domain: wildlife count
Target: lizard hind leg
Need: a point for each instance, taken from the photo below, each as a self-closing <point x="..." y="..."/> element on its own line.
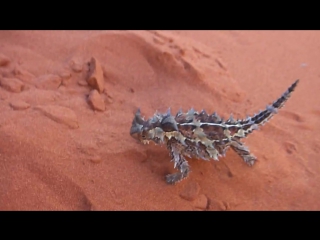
<point x="243" y="151"/>
<point x="179" y="162"/>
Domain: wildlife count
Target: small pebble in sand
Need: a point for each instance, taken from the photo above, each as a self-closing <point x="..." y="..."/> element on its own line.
<point x="96" y="101"/>
<point x="23" y="75"/>
<point x="82" y="83"/>
<point x="76" y="66"/>
<point x="19" y="105"/>
<point x="95" y="159"/>
<point x="4" y="60"/>
<point x="95" y="75"/>
<point x="11" y="84"/>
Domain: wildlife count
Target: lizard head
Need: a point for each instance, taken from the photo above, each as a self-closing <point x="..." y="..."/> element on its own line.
<point x="153" y="129"/>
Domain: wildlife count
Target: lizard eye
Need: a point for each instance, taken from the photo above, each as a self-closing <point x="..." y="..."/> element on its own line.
<point x="143" y="136"/>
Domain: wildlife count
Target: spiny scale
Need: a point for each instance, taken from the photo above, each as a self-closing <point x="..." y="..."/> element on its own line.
<point x="201" y="135"/>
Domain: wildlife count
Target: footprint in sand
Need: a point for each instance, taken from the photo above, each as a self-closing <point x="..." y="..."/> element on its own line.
<point x="302" y="125"/>
<point x="161" y="36"/>
<point x="200" y="53"/>
<point x="178" y="50"/>
<point x="316" y="147"/>
<point x="194" y="63"/>
<point x="293" y="116"/>
<point x="191" y="191"/>
<point x="216" y="205"/>
<point x="173" y="57"/>
<point x="290" y="147"/>
<point x="160" y="39"/>
<point x="220" y="64"/>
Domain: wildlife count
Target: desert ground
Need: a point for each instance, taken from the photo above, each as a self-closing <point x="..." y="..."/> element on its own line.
<point x="67" y="100"/>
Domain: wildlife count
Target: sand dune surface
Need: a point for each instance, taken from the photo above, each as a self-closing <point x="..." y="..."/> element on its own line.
<point x="67" y="100"/>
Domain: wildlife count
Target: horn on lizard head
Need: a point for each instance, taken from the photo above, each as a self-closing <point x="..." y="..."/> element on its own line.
<point x="137" y="117"/>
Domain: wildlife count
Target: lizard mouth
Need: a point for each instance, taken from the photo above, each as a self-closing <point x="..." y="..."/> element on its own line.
<point x="145" y="141"/>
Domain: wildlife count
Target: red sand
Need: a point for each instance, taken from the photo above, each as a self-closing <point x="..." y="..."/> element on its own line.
<point x="56" y="153"/>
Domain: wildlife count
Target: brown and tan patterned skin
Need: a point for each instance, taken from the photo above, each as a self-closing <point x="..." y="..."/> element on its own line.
<point x="200" y="135"/>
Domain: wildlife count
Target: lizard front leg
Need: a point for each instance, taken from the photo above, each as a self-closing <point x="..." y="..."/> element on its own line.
<point x="179" y="162"/>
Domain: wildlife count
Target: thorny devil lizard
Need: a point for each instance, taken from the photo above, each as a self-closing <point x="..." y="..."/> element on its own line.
<point x="200" y="135"/>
